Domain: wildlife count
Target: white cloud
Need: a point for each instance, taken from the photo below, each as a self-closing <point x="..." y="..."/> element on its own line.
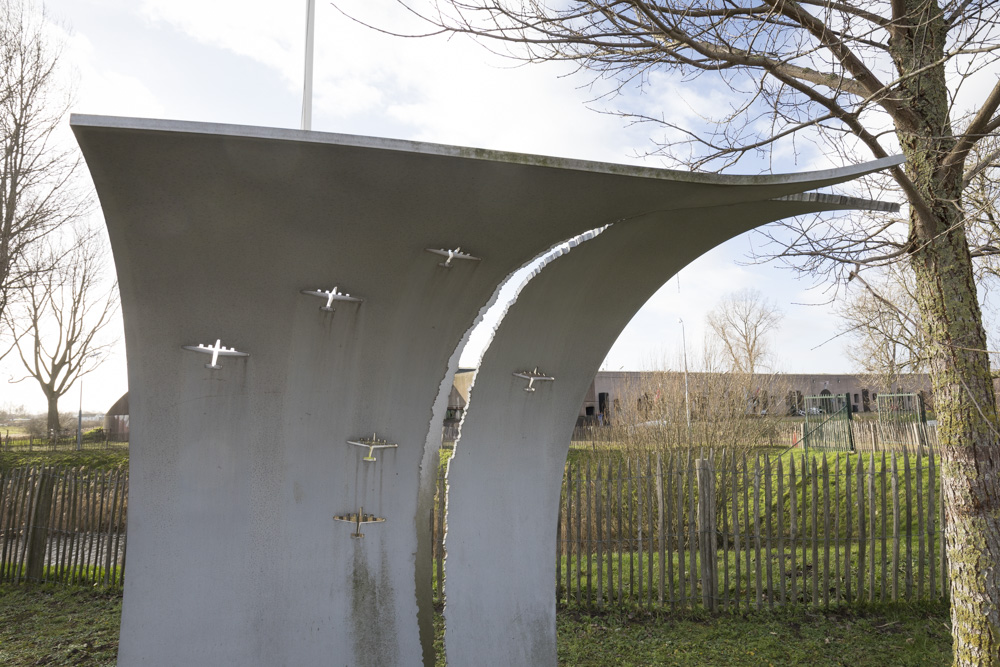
<point x="103" y="90"/>
<point x="262" y="31"/>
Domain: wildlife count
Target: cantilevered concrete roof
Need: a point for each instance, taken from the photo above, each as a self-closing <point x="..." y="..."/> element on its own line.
<point x="237" y="473"/>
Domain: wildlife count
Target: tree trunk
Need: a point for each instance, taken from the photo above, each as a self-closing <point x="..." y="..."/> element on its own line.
<point x="966" y="411"/>
<point x="53" y="420"/>
<point x="952" y="321"/>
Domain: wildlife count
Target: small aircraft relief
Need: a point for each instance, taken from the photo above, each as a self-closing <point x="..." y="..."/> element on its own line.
<point x="358" y="519"/>
<point x="331" y="295"/>
<point x="532" y="377"/>
<point x="372" y="444"/>
<point x="452" y="254"/>
<point x="217" y="350"/>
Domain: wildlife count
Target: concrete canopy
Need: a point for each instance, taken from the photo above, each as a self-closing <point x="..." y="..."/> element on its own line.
<point x="236" y="474"/>
<point x="505" y="476"/>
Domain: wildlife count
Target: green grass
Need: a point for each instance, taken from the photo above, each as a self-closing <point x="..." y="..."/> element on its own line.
<point x="50" y="625"/>
<point x="46" y="625"/>
<point x="87" y="575"/>
<point x="898" y="635"/>
<point x="110" y="459"/>
<point x="444" y="454"/>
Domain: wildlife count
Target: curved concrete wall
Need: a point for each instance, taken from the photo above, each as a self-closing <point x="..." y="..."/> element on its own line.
<point x="504" y="479"/>
<point x="236" y="474"/>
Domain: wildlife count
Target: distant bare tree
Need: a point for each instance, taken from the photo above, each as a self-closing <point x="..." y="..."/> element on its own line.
<point x="882" y="320"/>
<point x="743" y="322"/>
<point x="59" y="322"/>
<point x="37" y="190"/>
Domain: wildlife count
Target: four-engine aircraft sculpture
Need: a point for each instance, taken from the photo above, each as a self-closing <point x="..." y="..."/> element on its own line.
<point x="331" y="296"/>
<point x="452" y="254"/>
<point x="532" y="377"/>
<point x="217" y="350"/>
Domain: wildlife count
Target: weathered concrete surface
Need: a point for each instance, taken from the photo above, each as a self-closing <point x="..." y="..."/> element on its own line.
<point x="234" y="558"/>
<point x="505" y="477"/>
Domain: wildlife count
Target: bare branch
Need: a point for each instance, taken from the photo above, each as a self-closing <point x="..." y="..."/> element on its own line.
<point x="982" y="124"/>
<point x="38" y="192"/>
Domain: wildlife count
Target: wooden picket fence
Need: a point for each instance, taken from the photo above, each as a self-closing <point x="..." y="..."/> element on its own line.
<point x="438" y="529"/>
<point x="883" y="436"/>
<point x="689" y="530"/>
<point x="740" y="532"/>
<point x="63" y="525"/>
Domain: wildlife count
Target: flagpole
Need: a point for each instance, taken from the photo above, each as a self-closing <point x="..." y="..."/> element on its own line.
<point x="307" y="88"/>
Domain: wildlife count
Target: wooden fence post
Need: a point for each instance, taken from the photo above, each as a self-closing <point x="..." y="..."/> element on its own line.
<point x="660" y="527"/>
<point x="38" y="529"/>
<point x="706" y="531"/>
<point x="442" y="494"/>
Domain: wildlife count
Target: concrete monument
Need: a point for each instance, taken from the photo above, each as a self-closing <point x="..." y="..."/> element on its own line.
<point x="279" y="503"/>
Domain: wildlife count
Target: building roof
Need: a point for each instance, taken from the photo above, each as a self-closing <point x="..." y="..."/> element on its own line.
<point x="120" y="407"/>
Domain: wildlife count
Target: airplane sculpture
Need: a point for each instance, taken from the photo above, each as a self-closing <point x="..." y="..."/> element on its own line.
<point x="358" y="519"/>
<point x="532" y="377"/>
<point x="372" y="444"/>
<point x="331" y="296"/>
<point x="217" y="350"/>
<point x="451" y="254"/>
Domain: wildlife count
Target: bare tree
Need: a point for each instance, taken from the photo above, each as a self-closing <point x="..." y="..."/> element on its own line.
<point x="59" y="323"/>
<point x="865" y="78"/>
<point x="743" y="322"/>
<point x="37" y="189"/>
<point x="882" y="321"/>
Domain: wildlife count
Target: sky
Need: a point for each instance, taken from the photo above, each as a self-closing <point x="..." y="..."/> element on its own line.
<point x="241" y="62"/>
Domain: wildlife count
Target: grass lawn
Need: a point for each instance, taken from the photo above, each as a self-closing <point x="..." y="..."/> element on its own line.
<point x="100" y="459"/>
<point x="898" y="635"/>
<point x="58" y="625"/>
<point x="46" y="625"/>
